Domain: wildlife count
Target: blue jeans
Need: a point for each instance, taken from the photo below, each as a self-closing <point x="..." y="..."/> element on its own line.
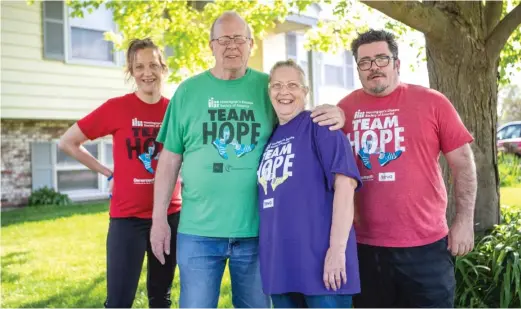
<point x="201" y="261"/>
<point x="299" y="300"/>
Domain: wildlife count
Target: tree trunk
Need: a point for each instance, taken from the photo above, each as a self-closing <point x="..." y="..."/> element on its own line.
<point x="462" y="72"/>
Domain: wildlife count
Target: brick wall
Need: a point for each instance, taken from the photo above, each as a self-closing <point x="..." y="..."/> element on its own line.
<point x="16" y="138"/>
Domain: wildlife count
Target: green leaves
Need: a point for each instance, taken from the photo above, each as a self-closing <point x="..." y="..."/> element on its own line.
<point x="47" y="196"/>
<point x="510" y="57"/>
<point x="184" y="26"/>
<point x="490" y="275"/>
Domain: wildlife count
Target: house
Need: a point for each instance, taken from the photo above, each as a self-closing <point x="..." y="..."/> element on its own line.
<point x="56" y="69"/>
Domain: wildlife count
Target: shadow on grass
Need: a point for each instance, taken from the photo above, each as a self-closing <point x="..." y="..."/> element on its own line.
<point x="13" y="258"/>
<point x="73" y="298"/>
<point x="42" y="213"/>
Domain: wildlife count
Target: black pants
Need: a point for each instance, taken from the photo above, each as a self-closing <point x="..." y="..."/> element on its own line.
<point x="420" y="276"/>
<point x="127" y="241"/>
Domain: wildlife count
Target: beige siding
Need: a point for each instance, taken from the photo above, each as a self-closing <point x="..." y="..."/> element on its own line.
<point x="38" y="88"/>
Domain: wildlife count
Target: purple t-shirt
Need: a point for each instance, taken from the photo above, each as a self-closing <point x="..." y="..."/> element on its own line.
<point x="296" y="178"/>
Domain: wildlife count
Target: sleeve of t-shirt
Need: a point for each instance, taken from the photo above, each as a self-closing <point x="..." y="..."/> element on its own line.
<point x="100" y="122"/>
<point x="171" y="132"/>
<point x="452" y="133"/>
<point x="335" y="155"/>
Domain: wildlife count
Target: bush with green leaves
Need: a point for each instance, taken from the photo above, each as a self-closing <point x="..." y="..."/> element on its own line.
<point x="47" y="196"/>
<point x="490" y="275"/>
<point x="509" y="167"/>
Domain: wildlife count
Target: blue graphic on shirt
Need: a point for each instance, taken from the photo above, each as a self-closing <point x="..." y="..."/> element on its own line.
<point x="241" y="149"/>
<point x="386" y="157"/>
<point x="221" y="145"/>
<point x="146" y="158"/>
<point x="364" y="155"/>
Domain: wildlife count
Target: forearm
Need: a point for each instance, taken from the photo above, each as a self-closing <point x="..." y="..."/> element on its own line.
<point x="78" y="152"/>
<point x="167" y="172"/>
<point x="465" y="186"/>
<point x="463" y="170"/>
<point x="343" y="211"/>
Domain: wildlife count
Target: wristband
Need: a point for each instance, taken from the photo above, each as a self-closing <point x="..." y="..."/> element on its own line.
<point x="110" y="177"/>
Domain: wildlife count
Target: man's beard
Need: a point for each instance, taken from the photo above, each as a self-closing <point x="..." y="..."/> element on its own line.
<point x="379" y="89"/>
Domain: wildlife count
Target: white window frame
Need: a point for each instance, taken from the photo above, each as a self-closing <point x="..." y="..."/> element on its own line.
<point x="321" y="60"/>
<point x="83" y="194"/>
<point x="345" y="69"/>
<point x="302" y="54"/>
<point x="118" y="56"/>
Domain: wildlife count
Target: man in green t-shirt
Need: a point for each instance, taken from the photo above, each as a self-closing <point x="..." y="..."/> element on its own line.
<point x="216" y="125"/>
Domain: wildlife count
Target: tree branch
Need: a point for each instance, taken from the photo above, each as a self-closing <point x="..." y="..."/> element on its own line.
<point x="499" y="36"/>
<point x="427" y="19"/>
<point x="493" y="11"/>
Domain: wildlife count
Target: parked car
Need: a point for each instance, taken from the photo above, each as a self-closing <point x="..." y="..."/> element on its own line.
<point x="509" y="138"/>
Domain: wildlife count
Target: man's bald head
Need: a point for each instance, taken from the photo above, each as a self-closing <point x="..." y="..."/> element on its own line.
<point x="226" y="16"/>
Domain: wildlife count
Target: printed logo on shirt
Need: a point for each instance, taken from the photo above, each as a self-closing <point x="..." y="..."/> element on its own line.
<point x="377" y="134"/>
<point x="137" y="123"/>
<point x="142" y="145"/>
<point x="231" y="126"/>
<point x="276" y="164"/>
<point x="367" y="178"/>
<point x="143" y="181"/>
<point x="217" y="167"/>
<point x="386" y="176"/>
<point x="230" y="168"/>
<point x="268" y="203"/>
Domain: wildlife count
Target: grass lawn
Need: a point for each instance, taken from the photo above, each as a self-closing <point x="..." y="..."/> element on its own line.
<point x="55" y="257"/>
<point x="511" y="196"/>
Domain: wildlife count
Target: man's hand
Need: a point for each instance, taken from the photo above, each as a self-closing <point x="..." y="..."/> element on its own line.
<point x="329" y="115"/>
<point x="335" y="268"/>
<point x="461" y="237"/>
<point x="160" y="239"/>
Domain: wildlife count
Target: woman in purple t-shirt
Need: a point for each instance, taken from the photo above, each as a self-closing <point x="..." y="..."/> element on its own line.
<point x="307" y="178"/>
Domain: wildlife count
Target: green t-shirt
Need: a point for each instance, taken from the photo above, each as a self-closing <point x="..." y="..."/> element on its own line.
<point x="220" y="127"/>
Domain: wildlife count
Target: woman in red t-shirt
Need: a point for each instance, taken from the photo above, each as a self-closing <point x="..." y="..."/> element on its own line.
<point x="133" y="120"/>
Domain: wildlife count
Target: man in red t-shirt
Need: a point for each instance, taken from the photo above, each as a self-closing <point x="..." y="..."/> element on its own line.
<point x="397" y="132"/>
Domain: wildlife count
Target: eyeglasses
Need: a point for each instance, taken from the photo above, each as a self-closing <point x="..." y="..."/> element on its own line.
<point x="227" y="40"/>
<point x="291" y="86"/>
<point x="380" y="61"/>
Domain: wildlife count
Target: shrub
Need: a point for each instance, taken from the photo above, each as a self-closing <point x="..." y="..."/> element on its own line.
<point x="490" y="276"/>
<point x="509" y="167"/>
<point x="47" y="196"/>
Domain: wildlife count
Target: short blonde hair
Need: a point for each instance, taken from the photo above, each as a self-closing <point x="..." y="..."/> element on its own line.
<point x="290" y="63"/>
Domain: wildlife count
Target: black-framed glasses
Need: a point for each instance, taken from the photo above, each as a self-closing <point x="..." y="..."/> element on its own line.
<point x="291" y="86"/>
<point x="227" y="40"/>
<point x="380" y="61"/>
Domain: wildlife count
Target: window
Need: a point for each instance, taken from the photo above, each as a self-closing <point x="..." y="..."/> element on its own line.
<point x="338" y="70"/>
<point x="516" y="133"/>
<point x="331" y="69"/>
<point x="291" y="45"/>
<point x="78" y="39"/>
<point x="295" y="50"/>
<point x="511" y="131"/>
<point x="55" y="169"/>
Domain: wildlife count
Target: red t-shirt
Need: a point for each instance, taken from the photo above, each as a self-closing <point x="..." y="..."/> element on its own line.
<point x="397" y="141"/>
<point x="134" y="125"/>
